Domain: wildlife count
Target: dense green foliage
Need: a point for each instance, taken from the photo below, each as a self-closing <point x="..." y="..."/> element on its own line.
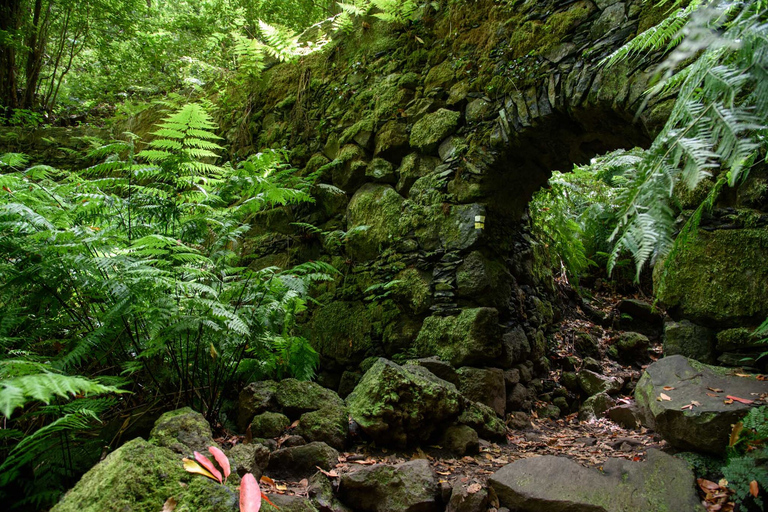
<point x="128" y="275"/>
<point x="748" y="458"/>
<point x="716" y="129"/>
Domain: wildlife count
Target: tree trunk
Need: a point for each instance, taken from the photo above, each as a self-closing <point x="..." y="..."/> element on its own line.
<point x="36" y="48"/>
<point x="10" y="21"/>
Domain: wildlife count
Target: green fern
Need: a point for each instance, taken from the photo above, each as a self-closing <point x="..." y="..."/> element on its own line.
<point x="15" y="393"/>
<point x="714" y="128"/>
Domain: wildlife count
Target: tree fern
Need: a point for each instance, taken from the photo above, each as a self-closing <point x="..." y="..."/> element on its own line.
<point x="714" y="127"/>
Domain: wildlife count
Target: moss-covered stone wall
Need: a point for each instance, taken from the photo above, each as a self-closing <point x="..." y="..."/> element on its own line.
<point x="434" y="136"/>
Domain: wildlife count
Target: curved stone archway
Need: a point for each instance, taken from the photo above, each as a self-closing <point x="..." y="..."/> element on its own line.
<point x="436" y="142"/>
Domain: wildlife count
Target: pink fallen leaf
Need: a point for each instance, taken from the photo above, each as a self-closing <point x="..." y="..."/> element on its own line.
<point x="740" y="400"/>
<point x="207" y="464"/>
<point x="221" y="459"/>
<point x="250" y="494"/>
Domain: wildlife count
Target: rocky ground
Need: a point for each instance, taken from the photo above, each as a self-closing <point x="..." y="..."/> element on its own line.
<point x="407" y="439"/>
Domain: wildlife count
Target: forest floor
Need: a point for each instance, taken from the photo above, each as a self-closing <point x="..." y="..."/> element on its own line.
<point x="590" y="443"/>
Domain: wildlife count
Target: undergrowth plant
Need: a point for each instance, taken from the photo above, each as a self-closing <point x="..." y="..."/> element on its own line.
<point x="574" y="215"/>
<point x="126" y="282"/>
<point x="747" y="465"/>
<point x="717" y="127"/>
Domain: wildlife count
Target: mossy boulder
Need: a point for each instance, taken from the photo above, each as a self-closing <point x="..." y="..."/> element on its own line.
<point x="341" y="332"/>
<point x="431" y="129"/>
<point x="295" y="397"/>
<point x="705" y="427"/>
<point x="737" y="339"/>
<point x="483" y="420"/>
<point x="248" y="458"/>
<point x="595" y="406"/>
<point x="140" y="477"/>
<point x="328" y="424"/>
<point x="413" y="167"/>
<point x="484" y="385"/>
<point x="255" y="398"/>
<point x="632" y="347"/>
<point x="462" y="228"/>
<point x="461" y="440"/>
<point x="396" y="405"/>
<point x="593" y="383"/>
<point x="379" y="208"/>
<point x="348" y="169"/>
<point x="684" y="338"/>
<point x="710" y="281"/>
<point x="413" y="290"/>
<point x="407" y="487"/>
<point x="471" y="338"/>
<point x="441" y="75"/>
<point x="183" y="431"/>
<point x="299" y="462"/>
<point x="481" y="277"/>
<point x="381" y="171"/>
<point x="269" y="424"/>
<point x="391" y="141"/>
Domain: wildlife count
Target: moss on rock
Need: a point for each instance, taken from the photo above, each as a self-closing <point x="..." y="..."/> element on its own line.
<point x="379" y="208"/>
<point x="471" y="338"/>
<point x="295" y="397"/>
<point x="708" y="280"/>
<point x="140" y="477"/>
<point x="341" y="332"/>
<point x="399" y="407"/>
<point x="431" y="129"/>
<point x="183" y="431"/>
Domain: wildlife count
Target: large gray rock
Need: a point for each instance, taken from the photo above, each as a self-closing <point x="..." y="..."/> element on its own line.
<point x="705" y="427"/>
<point x="558" y="484"/>
<point x="183" y="431"/>
<point x="407" y="487"/>
<point x="399" y="405"/>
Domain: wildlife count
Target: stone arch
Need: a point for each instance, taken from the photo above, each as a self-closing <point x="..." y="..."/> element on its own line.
<point x="441" y="171"/>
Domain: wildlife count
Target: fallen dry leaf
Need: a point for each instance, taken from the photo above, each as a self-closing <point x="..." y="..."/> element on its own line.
<point x="267" y="481"/>
<point x="668" y="388"/>
<point x="663" y="396"/>
<point x="169" y="505"/>
<point x="330" y="474"/>
<point x="472" y="489"/>
<point x="728" y="401"/>
<point x="754" y="490"/>
<point x="707" y="485"/>
<point x="715" y="395"/>
<point x="715" y="390"/>
<point x="740" y="400"/>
